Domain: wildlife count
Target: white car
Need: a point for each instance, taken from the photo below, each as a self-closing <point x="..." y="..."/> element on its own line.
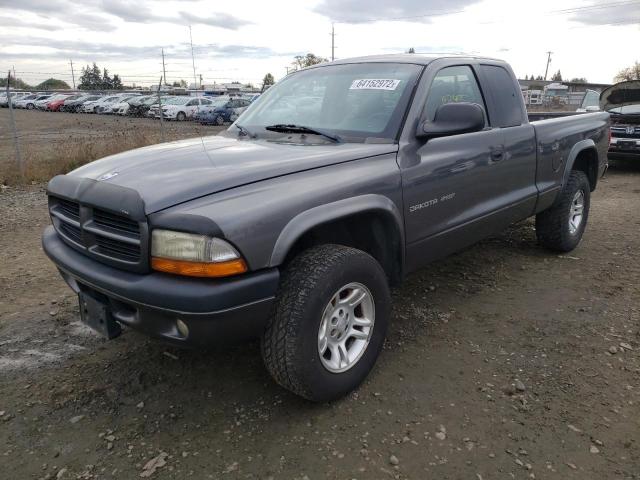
<point x="4" y="102"/>
<point x="24" y="100"/>
<point x="181" y="108"/>
<point x="31" y="103"/>
<point x="99" y="105"/>
<point x="120" y="106"/>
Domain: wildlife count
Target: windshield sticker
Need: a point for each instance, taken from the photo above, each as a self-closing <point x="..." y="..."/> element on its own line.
<point x="374" y="84"/>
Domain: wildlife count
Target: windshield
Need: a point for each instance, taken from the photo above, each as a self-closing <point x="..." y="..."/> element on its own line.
<point x="220" y="101"/>
<point x="355" y="102"/>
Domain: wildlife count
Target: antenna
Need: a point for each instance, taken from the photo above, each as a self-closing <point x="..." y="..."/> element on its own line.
<point x="333" y="42"/>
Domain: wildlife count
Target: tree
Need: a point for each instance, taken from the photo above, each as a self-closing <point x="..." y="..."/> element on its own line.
<point x="303" y="61"/>
<point x="557" y="77"/>
<point x="92" y="78"/>
<point x="627" y="74"/>
<point x="579" y="80"/>
<point x="107" y="83"/>
<point x="116" y="83"/>
<point x="267" y="81"/>
<point x="411" y="50"/>
<point x="53" y="84"/>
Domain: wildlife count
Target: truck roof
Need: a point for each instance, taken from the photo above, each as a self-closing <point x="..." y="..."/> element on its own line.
<point x="414" y="58"/>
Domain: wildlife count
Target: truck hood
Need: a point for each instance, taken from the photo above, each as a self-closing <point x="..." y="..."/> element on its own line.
<point x="171" y="173"/>
<point x="620" y="95"/>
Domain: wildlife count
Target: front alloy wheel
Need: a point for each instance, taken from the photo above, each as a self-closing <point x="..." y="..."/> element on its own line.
<point x="328" y="323"/>
<point x="346" y="326"/>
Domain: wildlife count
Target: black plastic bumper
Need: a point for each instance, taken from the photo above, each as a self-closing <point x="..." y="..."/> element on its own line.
<point x="214" y="310"/>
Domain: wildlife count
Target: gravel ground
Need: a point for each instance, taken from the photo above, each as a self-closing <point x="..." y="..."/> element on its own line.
<point x="504" y="361"/>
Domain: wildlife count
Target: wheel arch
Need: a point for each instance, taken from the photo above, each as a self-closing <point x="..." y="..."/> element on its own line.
<point x="584" y="157"/>
<point x="371" y="223"/>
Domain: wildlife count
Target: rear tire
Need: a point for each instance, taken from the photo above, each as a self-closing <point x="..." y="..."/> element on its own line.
<point x="561" y="226"/>
<point x="315" y="308"/>
<point x="219" y="120"/>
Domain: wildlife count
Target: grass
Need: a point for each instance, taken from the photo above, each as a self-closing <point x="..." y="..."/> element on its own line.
<point x="46" y="159"/>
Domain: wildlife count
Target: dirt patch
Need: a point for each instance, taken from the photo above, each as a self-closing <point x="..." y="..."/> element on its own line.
<point x="504" y="361"/>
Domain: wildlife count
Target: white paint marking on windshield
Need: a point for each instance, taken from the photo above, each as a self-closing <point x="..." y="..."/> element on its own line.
<point x="374" y="84"/>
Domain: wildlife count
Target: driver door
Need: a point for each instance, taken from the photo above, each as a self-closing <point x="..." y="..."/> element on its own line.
<point x="451" y="188"/>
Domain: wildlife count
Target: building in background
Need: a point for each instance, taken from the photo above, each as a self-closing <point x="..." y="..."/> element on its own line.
<point x="557" y="95"/>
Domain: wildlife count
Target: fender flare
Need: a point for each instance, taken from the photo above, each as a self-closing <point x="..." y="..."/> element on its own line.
<point x="576" y="150"/>
<point x="308" y="219"/>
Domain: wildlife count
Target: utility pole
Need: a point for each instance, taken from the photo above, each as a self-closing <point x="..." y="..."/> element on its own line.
<point x="73" y="75"/>
<point x="160" y="110"/>
<point x="333" y="42"/>
<point x="193" y="60"/>
<point x="164" y="72"/>
<point x="200" y="80"/>
<point x="546" y="72"/>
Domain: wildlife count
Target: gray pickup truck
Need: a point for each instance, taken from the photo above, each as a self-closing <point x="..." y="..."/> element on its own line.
<point x="292" y="225"/>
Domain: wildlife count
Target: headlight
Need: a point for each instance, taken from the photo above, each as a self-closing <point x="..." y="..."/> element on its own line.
<point x="194" y="255"/>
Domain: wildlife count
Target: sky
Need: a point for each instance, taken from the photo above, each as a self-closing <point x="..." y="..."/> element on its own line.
<point x="242" y="41"/>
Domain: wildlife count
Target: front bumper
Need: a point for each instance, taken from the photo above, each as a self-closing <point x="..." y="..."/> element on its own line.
<point x="215" y="310"/>
<point x="624" y="148"/>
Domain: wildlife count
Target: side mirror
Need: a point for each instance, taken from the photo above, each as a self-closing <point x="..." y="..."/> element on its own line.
<point x="593" y="108"/>
<point x="453" y="119"/>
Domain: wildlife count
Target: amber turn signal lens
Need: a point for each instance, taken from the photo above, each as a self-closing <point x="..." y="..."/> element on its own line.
<point x="199" y="269"/>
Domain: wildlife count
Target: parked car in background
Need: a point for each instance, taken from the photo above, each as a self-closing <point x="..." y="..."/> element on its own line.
<point x="55" y="104"/>
<point x="42" y="104"/>
<point x="98" y="105"/>
<point x="31" y="104"/>
<point x="223" y="110"/>
<point x="182" y="108"/>
<point x="622" y="101"/>
<point x="138" y="107"/>
<point x="22" y="101"/>
<point x="119" y="106"/>
<point x="4" y="99"/>
<point x="153" y="111"/>
<point x="74" y="105"/>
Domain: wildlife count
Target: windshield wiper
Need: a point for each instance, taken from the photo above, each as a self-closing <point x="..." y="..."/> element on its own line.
<point x="291" y="128"/>
<point x="244" y="131"/>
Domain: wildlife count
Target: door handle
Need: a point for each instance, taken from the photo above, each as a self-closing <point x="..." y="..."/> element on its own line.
<point x="497" y="155"/>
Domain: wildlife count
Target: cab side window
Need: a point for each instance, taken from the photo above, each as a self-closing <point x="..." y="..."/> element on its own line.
<point x="507" y="101"/>
<point x="453" y="84"/>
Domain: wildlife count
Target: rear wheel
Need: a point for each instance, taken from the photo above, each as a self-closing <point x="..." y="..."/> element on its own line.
<point x="561" y="226"/>
<point x="329" y="322"/>
<point x="219" y="120"/>
<point x="30" y="106"/>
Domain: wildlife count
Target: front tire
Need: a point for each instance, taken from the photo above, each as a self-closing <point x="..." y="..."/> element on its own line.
<point x="181" y="117"/>
<point x="329" y="322"/>
<point x="561" y="226"/>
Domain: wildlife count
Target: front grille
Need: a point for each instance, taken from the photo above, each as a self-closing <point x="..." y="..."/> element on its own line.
<point x="71" y="209"/>
<point x="107" y="236"/>
<point x="116" y="249"/>
<point x="115" y="222"/>
<point x="623" y="131"/>
<point x="72" y="232"/>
